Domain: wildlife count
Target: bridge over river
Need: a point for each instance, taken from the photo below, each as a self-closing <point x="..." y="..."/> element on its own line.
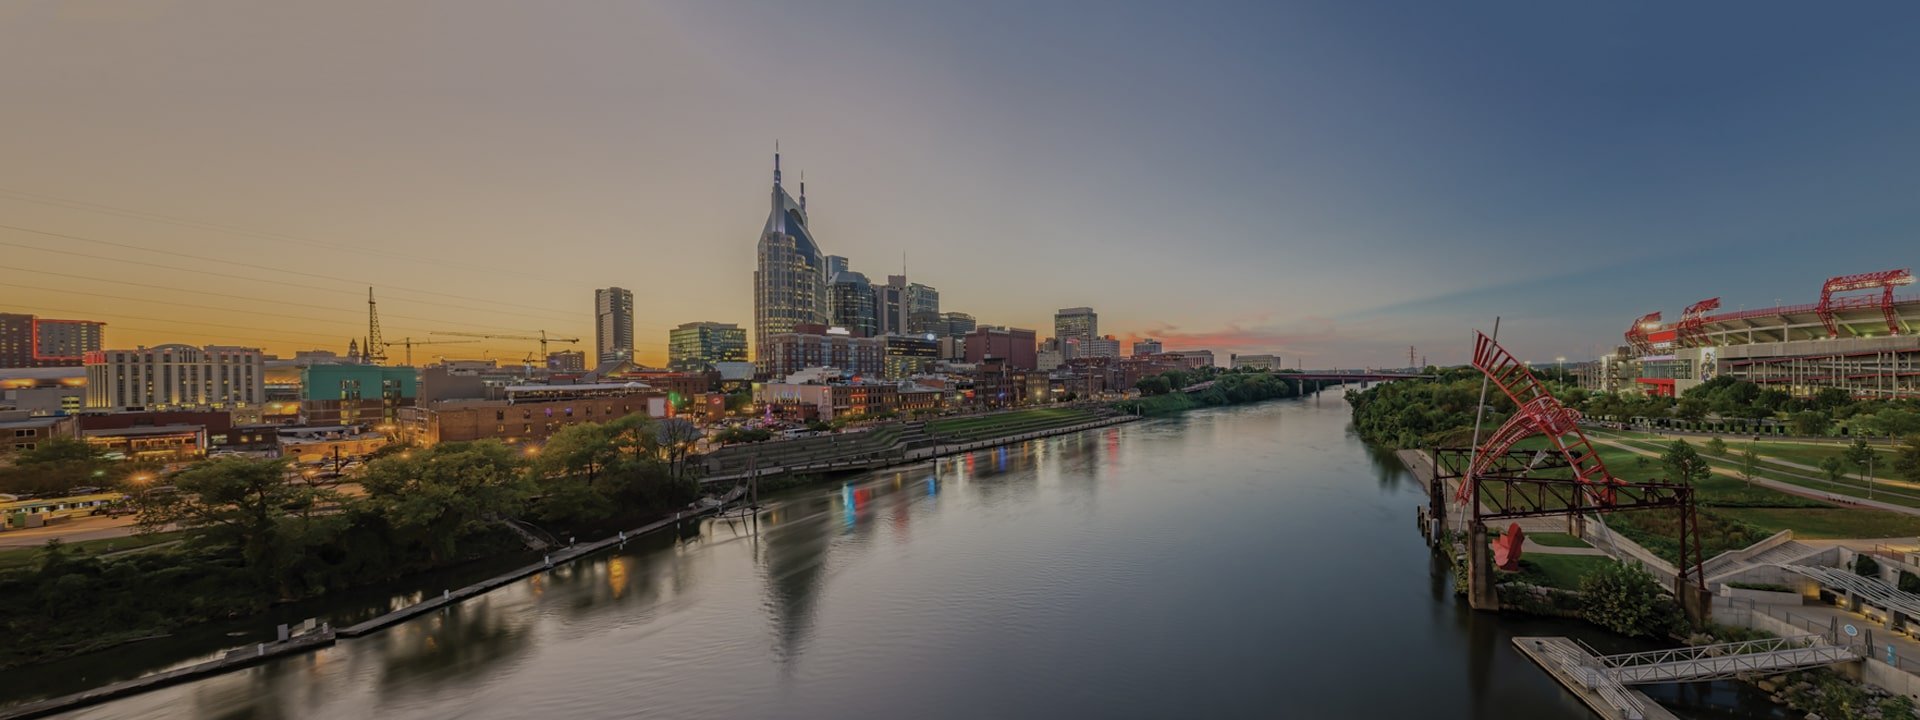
<point x="1602" y="680"/>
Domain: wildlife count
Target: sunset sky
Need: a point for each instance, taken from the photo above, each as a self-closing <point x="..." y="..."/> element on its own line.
<point x="1331" y="181"/>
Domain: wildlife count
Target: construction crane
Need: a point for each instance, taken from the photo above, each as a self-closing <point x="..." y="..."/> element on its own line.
<point x="542" y="337"/>
<point x="409" y="342"/>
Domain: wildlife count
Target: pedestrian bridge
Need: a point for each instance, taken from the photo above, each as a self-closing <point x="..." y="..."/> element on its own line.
<point x="1602" y="680"/>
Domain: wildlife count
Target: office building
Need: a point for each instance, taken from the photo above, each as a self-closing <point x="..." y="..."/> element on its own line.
<point x="789" y="281"/>
<point x="850" y="299"/>
<point x="1015" y="346"/>
<point x="613" y="326"/>
<point x="890" y="304"/>
<point x="814" y="345"/>
<point x="1075" y="325"/>
<point x="1254" y="362"/>
<point x="529" y="413"/>
<point x="170" y="377"/>
<point x="27" y="341"/>
<point x="1099" y="347"/>
<point x="922" y="302"/>
<point x="694" y="346"/>
<point x="567" y="361"/>
<point x="1146" y="346"/>
<point x="909" y="355"/>
<point x="356" y="394"/>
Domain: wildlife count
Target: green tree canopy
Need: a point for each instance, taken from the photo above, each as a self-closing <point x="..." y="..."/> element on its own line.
<point x="1684" y="464"/>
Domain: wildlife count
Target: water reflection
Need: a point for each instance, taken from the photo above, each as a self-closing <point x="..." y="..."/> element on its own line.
<point x="1245" y="562"/>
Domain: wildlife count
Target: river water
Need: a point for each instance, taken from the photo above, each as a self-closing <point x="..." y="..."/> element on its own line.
<point x="1256" y="561"/>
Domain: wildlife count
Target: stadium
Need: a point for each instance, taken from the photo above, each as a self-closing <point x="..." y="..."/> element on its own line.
<point x="1858" y="337"/>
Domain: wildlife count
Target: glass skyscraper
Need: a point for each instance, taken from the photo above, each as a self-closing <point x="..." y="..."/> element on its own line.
<point x="790" y="282"/>
<point x="850" y="300"/>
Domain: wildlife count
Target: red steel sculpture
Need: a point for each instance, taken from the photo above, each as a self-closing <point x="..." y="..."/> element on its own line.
<point x="1885" y="281"/>
<point x="1536" y="413"/>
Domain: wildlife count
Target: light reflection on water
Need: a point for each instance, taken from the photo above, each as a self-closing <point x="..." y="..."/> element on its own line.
<point x="1246" y="562"/>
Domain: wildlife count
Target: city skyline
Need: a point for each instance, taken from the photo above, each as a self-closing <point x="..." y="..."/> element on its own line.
<point x="1293" y="202"/>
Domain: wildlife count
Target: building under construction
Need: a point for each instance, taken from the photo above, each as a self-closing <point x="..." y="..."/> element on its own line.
<point x="1858" y="337"/>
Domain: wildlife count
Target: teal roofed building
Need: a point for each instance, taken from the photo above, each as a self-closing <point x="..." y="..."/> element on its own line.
<point x="355" y="394"/>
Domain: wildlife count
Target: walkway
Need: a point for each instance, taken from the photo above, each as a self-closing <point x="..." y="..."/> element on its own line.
<point x="1601" y="681"/>
<point x="1771" y="484"/>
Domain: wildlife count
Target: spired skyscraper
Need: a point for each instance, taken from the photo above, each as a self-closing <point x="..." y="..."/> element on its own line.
<point x="790" y="282"/>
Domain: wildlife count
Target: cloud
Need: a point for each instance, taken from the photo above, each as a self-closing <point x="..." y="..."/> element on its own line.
<point x="1306" y="336"/>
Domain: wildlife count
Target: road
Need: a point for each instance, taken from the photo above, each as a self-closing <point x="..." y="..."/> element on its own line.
<point x="74" y="530"/>
<point x="1785" y="487"/>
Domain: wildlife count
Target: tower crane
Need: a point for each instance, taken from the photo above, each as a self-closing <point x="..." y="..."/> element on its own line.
<point x="409" y="342"/>
<point x="542" y="337"/>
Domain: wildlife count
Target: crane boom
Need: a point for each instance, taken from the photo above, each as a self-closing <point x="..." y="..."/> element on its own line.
<point x="543" y="337"/>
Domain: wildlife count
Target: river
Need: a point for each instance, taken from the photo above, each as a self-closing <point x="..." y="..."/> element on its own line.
<point x="1256" y="561"/>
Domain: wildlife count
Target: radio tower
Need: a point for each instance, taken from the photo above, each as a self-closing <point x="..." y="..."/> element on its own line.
<point x="373" y="350"/>
<point x="1410" y="358"/>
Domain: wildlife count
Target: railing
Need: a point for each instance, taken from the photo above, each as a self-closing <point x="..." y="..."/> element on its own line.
<point x="1709" y="662"/>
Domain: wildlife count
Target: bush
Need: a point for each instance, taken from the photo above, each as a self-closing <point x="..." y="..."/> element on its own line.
<point x="1627" y="600"/>
<point x="1909" y="582"/>
<point x="1865" y="566"/>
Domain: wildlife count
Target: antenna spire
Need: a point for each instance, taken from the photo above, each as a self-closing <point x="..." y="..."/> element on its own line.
<point x="803" y="189"/>
<point x="776" y="163"/>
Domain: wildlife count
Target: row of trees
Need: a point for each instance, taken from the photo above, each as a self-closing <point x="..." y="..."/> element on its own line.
<point x="261" y="534"/>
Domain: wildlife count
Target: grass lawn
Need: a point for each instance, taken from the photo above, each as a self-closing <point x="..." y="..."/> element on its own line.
<point x="1558" y="540"/>
<point x="1815" y="523"/>
<point x="11" y="558"/>
<point x="1560" y="571"/>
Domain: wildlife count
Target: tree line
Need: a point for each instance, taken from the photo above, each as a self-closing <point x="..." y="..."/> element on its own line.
<point x="254" y="532"/>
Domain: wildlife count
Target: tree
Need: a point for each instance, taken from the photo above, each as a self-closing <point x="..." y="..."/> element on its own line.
<point x="1865" y="566"/>
<point x="1907" y="461"/>
<point x="1749" y="464"/>
<point x="1835" y="468"/>
<point x="1716" y="446"/>
<point x="1831" y="398"/>
<point x="1811" y="422"/>
<point x="1861" y="456"/>
<point x="1691" y="409"/>
<point x="1683" y="464"/>
<point x="1627" y="600"/>
<point x="583" y="450"/>
<point x="447" y="491"/>
<point x="58" y="466"/>
<point x="1893" y="422"/>
<point x="675" y="438"/>
<point x="236" y="502"/>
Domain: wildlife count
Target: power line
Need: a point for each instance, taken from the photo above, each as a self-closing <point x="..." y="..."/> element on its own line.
<point x="237" y="230"/>
<point x="281" y="316"/>
<point x="277" y="283"/>
<point x="176" y="268"/>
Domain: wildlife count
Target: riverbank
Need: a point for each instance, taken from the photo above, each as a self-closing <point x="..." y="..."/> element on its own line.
<point x="327" y="636"/>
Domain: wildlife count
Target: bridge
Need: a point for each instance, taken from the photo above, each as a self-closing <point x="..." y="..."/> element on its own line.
<point x="1334" y="376"/>
<point x="1602" y="680"/>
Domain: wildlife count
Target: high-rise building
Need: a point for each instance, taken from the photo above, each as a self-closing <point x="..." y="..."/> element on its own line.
<point x="850" y="302"/>
<point x="790" y="280"/>
<point x="694" y="346"/>
<point x="613" y="329"/>
<point x="921" y="301"/>
<point x="1146" y="346"/>
<point x="890" y="304"/>
<point x="28" y="341"/>
<point x="836" y="264"/>
<point x="1076" y="324"/>
<point x="171" y="377"/>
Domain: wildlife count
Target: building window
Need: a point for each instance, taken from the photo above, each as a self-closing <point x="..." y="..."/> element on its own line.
<point x="499" y="414"/>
